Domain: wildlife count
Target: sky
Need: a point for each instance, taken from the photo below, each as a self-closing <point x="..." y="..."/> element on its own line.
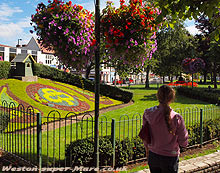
<point x="15" y="18"/>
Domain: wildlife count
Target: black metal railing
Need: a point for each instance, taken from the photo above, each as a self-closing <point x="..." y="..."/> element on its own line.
<point x="42" y="140"/>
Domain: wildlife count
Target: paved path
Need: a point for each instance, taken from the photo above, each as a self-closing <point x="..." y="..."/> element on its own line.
<point x="208" y="163"/>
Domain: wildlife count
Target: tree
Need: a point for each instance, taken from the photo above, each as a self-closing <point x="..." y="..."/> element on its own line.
<point x="190" y="9"/>
<point x="214" y="53"/>
<point x="173" y="46"/>
<point x="207" y="46"/>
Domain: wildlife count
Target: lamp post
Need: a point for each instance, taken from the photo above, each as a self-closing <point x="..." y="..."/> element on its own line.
<point x="97" y="80"/>
<point x="19" y="40"/>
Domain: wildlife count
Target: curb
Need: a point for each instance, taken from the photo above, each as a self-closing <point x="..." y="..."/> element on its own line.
<point x="208" y="163"/>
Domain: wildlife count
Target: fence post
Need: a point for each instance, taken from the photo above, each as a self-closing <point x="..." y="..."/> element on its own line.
<point x="201" y="126"/>
<point x="39" y="142"/>
<point x="113" y="141"/>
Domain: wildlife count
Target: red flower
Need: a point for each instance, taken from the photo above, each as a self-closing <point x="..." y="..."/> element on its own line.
<point x="80" y="7"/>
<point x="93" y="42"/>
<point x="107" y="46"/>
<point x="151" y="12"/>
<point x="126" y="27"/>
<point x="128" y="23"/>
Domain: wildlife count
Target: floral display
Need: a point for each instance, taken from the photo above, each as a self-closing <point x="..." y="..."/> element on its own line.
<point x="130" y="31"/>
<point x="9" y="97"/>
<point x="183" y="83"/>
<point x="193" y="65"/>
<point x="89" y="95"/>
<point x="56" y="98"/>
<point x="68" y="30"/>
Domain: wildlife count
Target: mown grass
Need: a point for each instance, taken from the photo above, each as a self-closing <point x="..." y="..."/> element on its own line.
<point x="53" y="141"/>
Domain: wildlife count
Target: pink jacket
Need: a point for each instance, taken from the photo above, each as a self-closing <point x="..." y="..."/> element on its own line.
<point x="163" y="142"/>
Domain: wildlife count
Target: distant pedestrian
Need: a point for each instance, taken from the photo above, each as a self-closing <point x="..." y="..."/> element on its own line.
<point x="167" y="131"/>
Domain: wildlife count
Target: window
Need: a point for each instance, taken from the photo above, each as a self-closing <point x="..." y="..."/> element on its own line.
<point x="49" y="59"/>
<point x="23" y="51"/>
<point x="33" y="52"/>
<point x="2" y="49"/>
<point x="13" y="50"/>
<point x="12" y="56"/>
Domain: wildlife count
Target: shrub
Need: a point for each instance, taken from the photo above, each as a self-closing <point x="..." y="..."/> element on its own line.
<point x="82" y="151"/>
<point x="123" y="152"/>
<point x="138" y="148"/>
<point x="199" y="94"/>
<point x="5" y="69"/>
<point x="61" y="76"/>
<point x="211" y="130"/>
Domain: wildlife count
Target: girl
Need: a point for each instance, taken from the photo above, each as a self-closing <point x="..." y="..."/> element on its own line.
<point x="168" y="133"/>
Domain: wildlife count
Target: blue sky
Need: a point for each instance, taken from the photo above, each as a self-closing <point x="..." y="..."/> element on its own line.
<point x="15" y="18"/>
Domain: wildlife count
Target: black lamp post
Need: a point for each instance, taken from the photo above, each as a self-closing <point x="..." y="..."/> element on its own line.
<point x="97" y="80"/>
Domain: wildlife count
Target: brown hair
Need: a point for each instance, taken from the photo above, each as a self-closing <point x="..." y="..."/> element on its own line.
<point x="165" y="95"/>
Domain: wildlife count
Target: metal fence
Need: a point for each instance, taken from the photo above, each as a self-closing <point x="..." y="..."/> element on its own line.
<point x="43" y="139"/>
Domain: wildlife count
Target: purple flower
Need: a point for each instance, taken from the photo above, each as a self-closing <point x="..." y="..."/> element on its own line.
<point x="136" y="43"/>
<point x="59" y="27"/>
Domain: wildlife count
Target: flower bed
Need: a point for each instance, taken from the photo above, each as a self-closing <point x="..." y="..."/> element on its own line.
<point x="183" y="83"/>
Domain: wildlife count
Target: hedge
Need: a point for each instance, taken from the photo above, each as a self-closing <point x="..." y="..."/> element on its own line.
<point x="202" y="94"/>
<point x="82" y="151"/>
<point x="5" y="69"/>
<point x="61" y="76"/>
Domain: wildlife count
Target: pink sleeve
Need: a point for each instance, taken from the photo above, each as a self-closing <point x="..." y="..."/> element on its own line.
<point x="145" y="116"/>
<point x="182" y="132"/>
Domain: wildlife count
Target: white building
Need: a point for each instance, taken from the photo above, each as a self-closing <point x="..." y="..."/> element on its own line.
<point x="39" y="53"/>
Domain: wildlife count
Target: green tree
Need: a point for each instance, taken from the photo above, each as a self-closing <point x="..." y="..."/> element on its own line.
<point x="184" y="9"/>
<point x="173" y="46"/>
<point x="208" y="47"/>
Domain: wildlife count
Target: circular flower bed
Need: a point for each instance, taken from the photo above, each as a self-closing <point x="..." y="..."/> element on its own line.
<point x="56" y="98"/>
<point x="89" y="95"/>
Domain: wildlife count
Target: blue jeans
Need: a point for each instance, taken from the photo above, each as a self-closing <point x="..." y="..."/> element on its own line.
<point x="162" y="164"/>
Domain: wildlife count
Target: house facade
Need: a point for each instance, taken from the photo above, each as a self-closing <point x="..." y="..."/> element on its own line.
<point x="39" y="53"/>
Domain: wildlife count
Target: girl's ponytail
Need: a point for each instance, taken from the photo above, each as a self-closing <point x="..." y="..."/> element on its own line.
<point x="166" y="95"/>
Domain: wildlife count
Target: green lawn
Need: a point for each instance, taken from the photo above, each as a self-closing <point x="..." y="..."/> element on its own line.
<point x="53" y="141"/>
<point x="146" y="98"/>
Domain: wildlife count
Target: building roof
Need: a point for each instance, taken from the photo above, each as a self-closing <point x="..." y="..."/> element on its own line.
<point x="45" y="50"/>
<point x="23" y="58"/>
<point x="36" y="45"/>
<point x="2" y="45"/>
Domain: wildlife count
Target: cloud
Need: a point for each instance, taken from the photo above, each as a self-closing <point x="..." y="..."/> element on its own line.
<point x="193" y="30"/>
<point x="6" y="11"/>
<point x="10" y="32"/>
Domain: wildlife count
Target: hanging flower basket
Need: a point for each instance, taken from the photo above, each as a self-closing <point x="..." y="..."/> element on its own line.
<point x="130" y="31"/>
<point x="67" y="29"/>
<point x="193" y="65"/>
